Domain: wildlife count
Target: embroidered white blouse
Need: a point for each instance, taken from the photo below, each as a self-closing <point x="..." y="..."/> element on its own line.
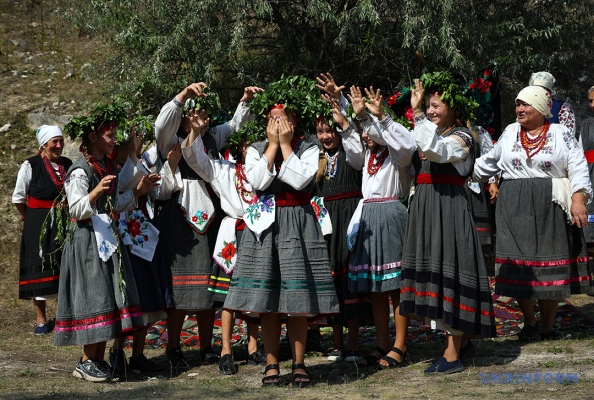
<point x="23" y="182"/>
<point x="394" y="177"/>
<point x="295" y="171"/>
<point x="220" y="174"/>
<point x="561" y="157"/>
<point x="77" y="192"/>
<point x="451" y="149"/>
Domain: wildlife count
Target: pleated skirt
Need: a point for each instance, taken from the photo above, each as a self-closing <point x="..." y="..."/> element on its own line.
<point x="376" y="259"/>
<point x="444" y="274"/>
<point x="542" y="256"/>
<point x="287" y="272"/>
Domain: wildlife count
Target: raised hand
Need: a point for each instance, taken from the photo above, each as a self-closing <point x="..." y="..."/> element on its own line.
<point x="339" y="118"/>
<point x="146" y="184"/>
<point x="327" y="84"/>
<point x="199" y="124"/>
<point x="358" y="102"/>
<point x="249" y="92"/>
<point x="374" y="105"/>
<point x="174" y="156"/>
<point x="285" y="131"/>
<point x="193" y="90"/>
<point x="417" y="98"/>
<point x="272" y="131"/>
<point x="136" y="138"/>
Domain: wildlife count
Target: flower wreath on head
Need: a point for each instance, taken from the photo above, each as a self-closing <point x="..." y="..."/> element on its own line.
<point x="296" y="95"/>
<point x="400" y="105"/>
<point x="451" y="93"/>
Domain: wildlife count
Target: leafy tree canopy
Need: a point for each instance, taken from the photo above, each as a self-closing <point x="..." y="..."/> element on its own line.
<point x="162" y="45"/>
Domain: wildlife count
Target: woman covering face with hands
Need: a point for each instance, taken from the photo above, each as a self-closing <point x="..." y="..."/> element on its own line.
<point x="282" y="267"/>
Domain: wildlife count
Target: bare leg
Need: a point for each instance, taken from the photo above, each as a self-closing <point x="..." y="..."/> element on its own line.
<point x="527" y="308"/>
<point x="227" y="322"/>
<point x="205" y="324"/>
<point x="138" y="343"/>
<point x="40" y="306"/>
<point x="252" y="331"/>
<point x="401" y="323"/>
<point x="90" y="351"/>
<point x="100" y="351"/>
<point x="353" y="343"/>
<point x="381" y="316"/>
<point x="297" y="331"/>
<point x="548" y="311"/>
<point x="271" y="325"/>
<point x="453" y="348"/>
<point x="338" y="337"/>
<point x="175" y="321"/>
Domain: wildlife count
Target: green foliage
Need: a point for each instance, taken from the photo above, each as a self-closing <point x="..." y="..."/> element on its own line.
<point x="162" y="45"/>
<point x="103" y="113"/>
<point x="253" y="131"/>
<point x="297" y="94"/>
<point x="144" y="125"/>
<point x="211" y="104"/>
<point x="450" y="93"/>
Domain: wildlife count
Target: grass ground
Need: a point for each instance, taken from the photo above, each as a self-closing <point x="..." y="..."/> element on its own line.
<point x="42" y="64"/>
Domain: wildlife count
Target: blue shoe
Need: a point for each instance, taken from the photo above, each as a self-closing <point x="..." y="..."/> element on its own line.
<point x="467" y="351"/>
<point x="41" y="329"/>
<point x="443" y="367"/>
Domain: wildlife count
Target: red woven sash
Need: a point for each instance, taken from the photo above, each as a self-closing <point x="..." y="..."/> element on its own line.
<point x="589" y="156"/>
<point x="345" y="195"/>
<point x="37" y="203"/>
<point x="428" y="179"/>
<point x="291" y="199"/>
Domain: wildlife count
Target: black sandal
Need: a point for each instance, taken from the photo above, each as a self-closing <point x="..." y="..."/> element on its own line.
<point x="227" y="365"/>
<point x="301" y="380"/>
<point x="392" y="362"/>
<point x="371" y="360"/>
<point x="271" y="380"/>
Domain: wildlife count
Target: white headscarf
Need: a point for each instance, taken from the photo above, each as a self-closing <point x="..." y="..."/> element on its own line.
<point x="544" y="79"/>
<point x="538" y="98"/>
<point x="46" y="132"/>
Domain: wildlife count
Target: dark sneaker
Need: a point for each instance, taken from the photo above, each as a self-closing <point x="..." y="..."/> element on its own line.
<point x="257" y="358"/>
<point x="176" y="358"/>
<point x="552" y="335"/>
<point x="117" y="359"/>
<point x="209" y="356"/>
<point x="41" y="329"/>
<point x="227" y="365"/>
<point x="353" y="356"/>
<point x="115" y="377"/>
<point x="91" y="371"/>
<point x="143" y="364"/>
<point x="443" y="367"/>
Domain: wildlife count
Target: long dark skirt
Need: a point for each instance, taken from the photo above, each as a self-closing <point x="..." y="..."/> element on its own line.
<point x="38" y="277"/>
<point x="188" y="257"/>
<point x="353" y="306"/>
<point x="542" y="256"/>
<point x="444" y="274"/>
<point x="93" y="306"/>
<point x="288" y="272"/>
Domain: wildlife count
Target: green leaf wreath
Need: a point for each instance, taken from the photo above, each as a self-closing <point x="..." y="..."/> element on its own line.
<point x="451" y="93"/>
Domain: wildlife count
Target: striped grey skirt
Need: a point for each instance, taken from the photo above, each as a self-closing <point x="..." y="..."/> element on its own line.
<point x="288" y="272"/>
<point x="376" y="258"/>
<point x="542" y="257"/>
<point x="443" y="273"/>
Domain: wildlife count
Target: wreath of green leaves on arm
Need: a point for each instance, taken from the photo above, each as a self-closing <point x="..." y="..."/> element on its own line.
<point x="211" y="104"/>
<point x="451" y="93"/>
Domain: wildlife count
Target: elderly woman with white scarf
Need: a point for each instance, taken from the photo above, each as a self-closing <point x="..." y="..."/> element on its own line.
<point x="39" y="183"/>
<point x="540" y="212"/>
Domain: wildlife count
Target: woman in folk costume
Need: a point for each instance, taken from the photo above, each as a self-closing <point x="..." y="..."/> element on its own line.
<point x="142" y="243"/>
<point x="445" y="280"/>
<point x="586" y="139"/>
<point x="282" y="267"/>
<point x="36" y="196"/>
<point x="376" y="231"/>
<point x="540" y="210"/>
<point x="184" y="220"/>
<point x="98" y="298"/>
<point x="338" y="190"/>
<point x="228" y="179"/>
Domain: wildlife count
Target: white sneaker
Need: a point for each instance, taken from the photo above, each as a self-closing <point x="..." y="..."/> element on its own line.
<point x="335" y="356"/>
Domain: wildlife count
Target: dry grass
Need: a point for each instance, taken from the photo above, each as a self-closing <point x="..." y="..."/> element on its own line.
<point x="34" y="45"/>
